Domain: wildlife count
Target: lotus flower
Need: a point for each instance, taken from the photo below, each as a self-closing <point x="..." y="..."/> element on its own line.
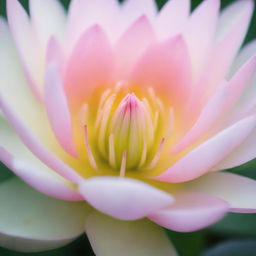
<point x="117" y="119"/>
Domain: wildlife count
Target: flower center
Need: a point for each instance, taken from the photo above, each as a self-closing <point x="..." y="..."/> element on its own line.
<point x="127" y="131"/>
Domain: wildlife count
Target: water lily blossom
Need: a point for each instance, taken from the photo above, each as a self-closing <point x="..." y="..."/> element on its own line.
<point x="118" y="118"/>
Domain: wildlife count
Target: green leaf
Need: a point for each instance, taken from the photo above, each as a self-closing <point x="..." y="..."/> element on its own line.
<point x="80" y="247"/>
<point x="188" y="244"/>
<point x="235" y="224"/>
<point x="5" y="173"/>
<point x="248" y="169"/>
<point x="233" y="248"/>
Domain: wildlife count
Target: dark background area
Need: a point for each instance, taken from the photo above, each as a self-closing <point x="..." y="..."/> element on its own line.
<point x="235" y="235"/>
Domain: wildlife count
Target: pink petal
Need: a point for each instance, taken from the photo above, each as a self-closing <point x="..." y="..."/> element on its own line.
<point x="132" y="44"/>
<point x="55" y="52"/>
<point x="207" y="118"/>
<point x="199" y="33"/>
<point x="237" y="190"/>
<point x="172" y="18"/>
<point x="165" y="67"/>
<point x="190" y="212"/>
<point x="58" y="110"/>
<point x="123" y="198"/>
<point x="55" y="22"/>
<point x="204" y="157"/>
<point x="35" y="146"/>
<point x="91" y="56"/>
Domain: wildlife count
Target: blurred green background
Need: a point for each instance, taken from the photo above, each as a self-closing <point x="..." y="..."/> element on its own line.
<point x="235" y="235"/>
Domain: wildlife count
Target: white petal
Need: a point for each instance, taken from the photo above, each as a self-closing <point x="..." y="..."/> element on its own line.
<point x="237" y="190"/>
<point x="200" y="31"/>
<point x="232" y="13"/>
<point x="223" y="52"/>
<point x="15" y="90"/>
<point x="83" y="14"/>
<point x="245" y="54"/>
<point x="248" y="52"/>
<point x="48" y="18"/>
<point x="172" y="17"/>
<point x="30" y="221"/>
<point x="243" y="154"/>
<point x="27" y="43"/>
<point x="111" y="237"/>
<point x="23" y="163"/>
<point x="14" y="87"/>
<point x="133" y="9"/>
<point x="32" y="142"/>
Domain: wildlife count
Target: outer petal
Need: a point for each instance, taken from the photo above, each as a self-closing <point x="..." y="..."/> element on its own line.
<point x="58" y="109"/>
<point x="246" y="53"/>
<point x="14" y="87"/>
<point x="14" y="91"/>
<point x="190" y="212"/>
<point x="204" y="157"/>
<point x="241" y="155"/>
<point x="224" y="53"/>
<point x="23" y="163"/>
<point x="244" y="94"/>
<point x="132" y="9"/>
<point x="35" y="146"/>
<point x="132" y="44"/>
<point x="137" y="238"/>
<point x="172" y="17"/>
<point x="91" y="56"/>
<point x="31" y="54"/>
<point x="54" y="24"/>
<point x="241" y="82"/>
<point x="33" y="222"/>
<point x="242" y="9"/>
<point x="123" y="198"/>
<point x="86" y="13"/>
<point x="233" y="25"/>
<point x="41" y="178"/>
<point x="200" y="32"/>
<point x="238" y="191"/>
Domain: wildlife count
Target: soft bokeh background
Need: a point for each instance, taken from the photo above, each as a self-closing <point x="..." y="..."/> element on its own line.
<point x="235" y="235"/>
